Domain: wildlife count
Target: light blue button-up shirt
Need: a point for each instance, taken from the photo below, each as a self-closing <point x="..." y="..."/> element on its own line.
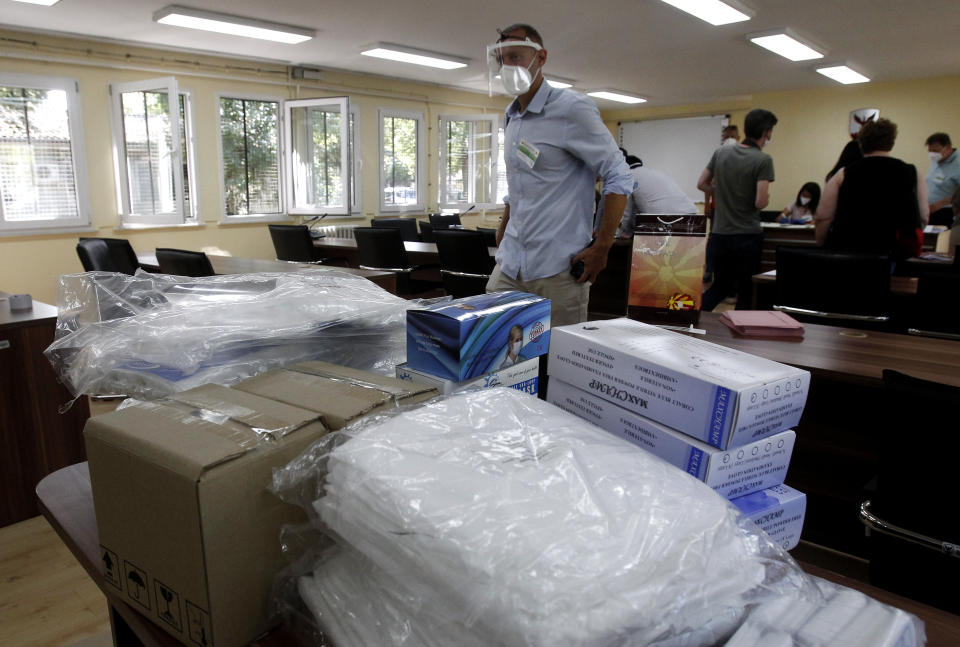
<point x="943" y="178"/>
<point x="552" y="201"/>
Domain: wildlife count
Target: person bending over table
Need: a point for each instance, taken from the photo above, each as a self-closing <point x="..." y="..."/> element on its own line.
<point x="877" y="204"/>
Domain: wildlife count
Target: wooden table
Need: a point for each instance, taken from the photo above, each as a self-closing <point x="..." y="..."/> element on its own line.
<point x="35" y="438"/>
<point x="848" y="353"/>
<point x="67" y="503"/>
<point x="418" y="253"/>
<point x="240" y="265"/>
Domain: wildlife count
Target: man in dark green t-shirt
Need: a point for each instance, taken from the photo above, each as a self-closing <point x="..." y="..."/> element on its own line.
<point x="743" y="174"/>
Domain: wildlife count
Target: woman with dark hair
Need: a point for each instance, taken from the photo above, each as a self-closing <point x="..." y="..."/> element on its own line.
<point x="801" y="210"/>
<point x="877" y="204"/>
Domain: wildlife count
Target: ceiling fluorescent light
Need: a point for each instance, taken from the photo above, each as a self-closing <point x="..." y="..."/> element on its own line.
<point x="842" y="74"/>
<point x="45" y="3"/>
<point x="559" y="81"/>
<point x="616" y="96"/>
<point x="234" y="25"/>
<point x="711" y="11"/>
<point x="416" y="56"/>
<point x="786" y="45"/>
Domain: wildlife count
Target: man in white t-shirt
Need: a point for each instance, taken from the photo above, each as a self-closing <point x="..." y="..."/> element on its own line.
<point x="653" y="192"/>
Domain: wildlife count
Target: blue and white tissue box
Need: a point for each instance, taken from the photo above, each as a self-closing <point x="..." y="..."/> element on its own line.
<point x="466" y="338"/>
<point x="522" y="376"/>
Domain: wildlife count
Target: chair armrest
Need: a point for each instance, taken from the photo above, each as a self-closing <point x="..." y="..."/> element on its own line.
<point x="873" y="522"/>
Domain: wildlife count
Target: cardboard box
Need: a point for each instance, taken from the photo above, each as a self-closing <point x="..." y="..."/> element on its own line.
<point x="190" y="537"/>
<point x="724" y="397"/>
<point x="465" y="338"/>
<point x="338" y="393"/>
<point x="523" y="376"/>
<point x="734" y="472"/>
<point x="779" y="511"/>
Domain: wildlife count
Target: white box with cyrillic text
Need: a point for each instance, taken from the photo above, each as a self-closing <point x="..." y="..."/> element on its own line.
<point x="724" y="397"/>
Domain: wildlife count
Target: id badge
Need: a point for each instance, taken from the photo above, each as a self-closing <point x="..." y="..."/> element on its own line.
<point x="528" y="153"/>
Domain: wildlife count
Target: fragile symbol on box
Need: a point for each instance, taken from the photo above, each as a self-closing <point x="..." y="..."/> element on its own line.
<point x="137" y="584"/>
<point x="168" y="605"/>
<point x="111" y="567"/>
<point x="198" y="623"/>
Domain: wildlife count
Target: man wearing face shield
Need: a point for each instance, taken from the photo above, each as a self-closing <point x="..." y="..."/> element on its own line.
<point x="555" y="146"/>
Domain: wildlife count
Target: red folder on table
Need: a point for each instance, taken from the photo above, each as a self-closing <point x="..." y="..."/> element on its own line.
<point x="762" y="323"/>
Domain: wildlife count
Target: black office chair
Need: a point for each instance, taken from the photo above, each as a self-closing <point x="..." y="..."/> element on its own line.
<point x="489" y="236"/>
<point x="95" y="255"/>
<point x="181" y="262"/>
<point x="935" y="311"/>
<point x="382" y="249"/>
<point x="440" y="221"/>
<point x="407" y="226"/>
<point x="465" y="261"/>
<point x="295" y="244"/>
<point x="123" y="258"/>
<point x="913" y="528"/>
<point x="833" y="287"/>
<point x="426" y="232"/>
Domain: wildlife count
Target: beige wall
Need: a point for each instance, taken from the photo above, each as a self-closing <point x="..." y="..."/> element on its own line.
<point x="32" y="264"/>
<point x="813" y="124"/>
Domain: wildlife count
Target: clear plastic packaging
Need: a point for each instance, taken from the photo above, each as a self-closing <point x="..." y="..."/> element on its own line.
<point x="493" y="518"/>
<point x="150" y="335"/>
<point x="847" y="618"/>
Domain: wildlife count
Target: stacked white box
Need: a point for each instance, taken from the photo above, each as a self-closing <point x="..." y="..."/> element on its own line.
<point x="779" y="511"/>
<point x="723" y="397"/>
<point x="734" y="472"/>
<point x="522" y="376"/>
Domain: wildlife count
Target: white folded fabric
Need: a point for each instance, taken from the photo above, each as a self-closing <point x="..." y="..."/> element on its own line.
<point x="518" y="524"/>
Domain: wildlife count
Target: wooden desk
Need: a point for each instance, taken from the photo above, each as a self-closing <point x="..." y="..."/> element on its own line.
<point x="419" y="253"/>
<point x="35" y="439"/>
<point x="240" y="265"/>
<point x="848" y="353"/>
<point x="67" y="503"/>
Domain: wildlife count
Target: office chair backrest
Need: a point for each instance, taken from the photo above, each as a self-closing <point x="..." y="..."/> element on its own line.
<point x="182" y="262"/>
<point x="122" y="254"/>
<point x="834" y="283"/>
<point x="912" y="486"/>
<point x="95" y="255"/>
<point x="426" y="232"/>
<point x="489" y="236"/>
<point x="463" y="250"/>
<point x="293" y="243"/>
<point x="381" y="248"/>
<point x="935" y="311"/>
<point x="441" y="221"/>
<point x="407" y="226"/>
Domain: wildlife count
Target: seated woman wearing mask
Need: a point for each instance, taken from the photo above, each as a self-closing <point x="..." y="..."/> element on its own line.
<point x="876" y="204"/>
<point x="801" y="210"/>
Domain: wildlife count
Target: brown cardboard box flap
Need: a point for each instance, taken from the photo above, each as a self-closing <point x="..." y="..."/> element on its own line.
<point x="338" y="393"/>
<point x="197" y="429"/>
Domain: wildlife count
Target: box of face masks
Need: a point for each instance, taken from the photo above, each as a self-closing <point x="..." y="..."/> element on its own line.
<point x="466" y="338"/>
<point x="779" y="511"/>
<point x="523" y="376"/>
<point x="724" y="397"/>
<point x="735" y="472"/>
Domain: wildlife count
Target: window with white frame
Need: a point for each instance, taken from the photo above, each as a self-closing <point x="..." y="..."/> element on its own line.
<point x="318" y="156"/>
<point x="43" y="181"/>
<point x="501" y="190"/>
<point x="357" y="174"/>
<point x="153" y="148"/>
<point x="402" y="142"/>
<point x="468" y="160"/>
<point x="250" y="154"/>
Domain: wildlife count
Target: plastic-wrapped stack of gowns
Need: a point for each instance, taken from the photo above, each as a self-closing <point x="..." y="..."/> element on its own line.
<point x="150" y="335"/>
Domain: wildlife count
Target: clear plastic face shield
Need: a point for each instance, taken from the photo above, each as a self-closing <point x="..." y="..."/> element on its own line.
<point x="513" y="62"/>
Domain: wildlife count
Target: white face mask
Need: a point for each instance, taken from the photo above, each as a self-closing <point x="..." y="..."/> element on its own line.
<point x="934" y="156"/>
<point x="804" y="201"/>
<point x="516" y="79"/>
<point x="515" y="347"/>
<point x="729" y="141"/>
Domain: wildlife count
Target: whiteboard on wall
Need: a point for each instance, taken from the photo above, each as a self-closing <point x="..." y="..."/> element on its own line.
<point x="680" y="148"/>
